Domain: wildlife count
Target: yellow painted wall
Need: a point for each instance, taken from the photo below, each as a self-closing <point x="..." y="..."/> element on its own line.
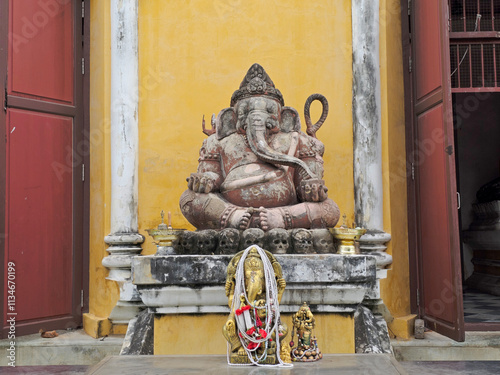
<point x="202" y="334"/>
<point x="396" y="288"/>
<point x="192" y="56"/>
<point x="103" y="293"/>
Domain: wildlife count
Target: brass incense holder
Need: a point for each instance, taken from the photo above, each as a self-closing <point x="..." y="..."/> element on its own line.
<point x="164" y="236"/>
<point x="347" y="237"/>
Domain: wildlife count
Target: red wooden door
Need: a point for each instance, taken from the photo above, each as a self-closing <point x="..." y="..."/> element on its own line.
<point x="439" y="277"/>
<point x="42" y="120"/>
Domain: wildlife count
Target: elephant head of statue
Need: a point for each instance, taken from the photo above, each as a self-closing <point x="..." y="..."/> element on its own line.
<point x="255" y="284"/>
<point x="257" y="110"/>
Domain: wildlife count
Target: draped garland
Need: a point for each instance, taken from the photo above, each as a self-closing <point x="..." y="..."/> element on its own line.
<point x="261" y="332"/>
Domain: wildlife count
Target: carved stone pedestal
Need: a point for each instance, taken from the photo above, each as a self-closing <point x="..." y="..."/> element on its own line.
<point x="176" y="285"/>
<point x="123" y="248"/>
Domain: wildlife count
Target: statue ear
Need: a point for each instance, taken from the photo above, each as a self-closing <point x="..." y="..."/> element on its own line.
<point x="290" y="120"/>
<point x="226" y="123"/>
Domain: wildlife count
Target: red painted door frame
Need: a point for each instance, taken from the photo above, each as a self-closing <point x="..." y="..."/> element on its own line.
<point x="11" y="102"/>
<point x="436" y="285"/>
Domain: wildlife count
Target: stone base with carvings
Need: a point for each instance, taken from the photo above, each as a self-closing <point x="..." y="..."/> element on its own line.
<point x="180" y="284"/>
<point x="176" y="285"/>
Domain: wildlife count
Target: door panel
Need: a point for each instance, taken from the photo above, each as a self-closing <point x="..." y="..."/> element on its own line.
<point x="439" y="275"/>
<point x="435" y="243"/>
<point x="43" y="161"/>
<point x="41" y="50"/>
<point x="427" y="47"/>
<point x="39" y="196"/>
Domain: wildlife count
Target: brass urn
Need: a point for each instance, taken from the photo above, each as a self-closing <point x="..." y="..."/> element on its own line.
<point x="164" y="236"/>
<point x="347" y="237"/>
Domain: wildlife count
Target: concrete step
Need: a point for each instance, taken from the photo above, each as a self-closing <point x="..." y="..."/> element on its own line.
<point x="69" y="348"/>
<point x="338" y="364"/>
<point x="478" y="346"/>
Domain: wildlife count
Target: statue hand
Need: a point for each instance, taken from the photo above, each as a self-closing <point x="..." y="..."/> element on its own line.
<point x="313" y="190"/>
<point x="229" y="287"/>
<point x="201" y="182"/>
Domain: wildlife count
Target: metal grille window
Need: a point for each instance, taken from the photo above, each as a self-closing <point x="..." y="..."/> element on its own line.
<point x="475" y="45"/>
<point x="474" y="15"/>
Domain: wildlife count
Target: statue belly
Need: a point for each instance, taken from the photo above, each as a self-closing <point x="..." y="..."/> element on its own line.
<point x="256" y="185"/>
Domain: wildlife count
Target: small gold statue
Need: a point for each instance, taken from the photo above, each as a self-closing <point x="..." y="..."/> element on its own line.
<point x="307" y="347"/>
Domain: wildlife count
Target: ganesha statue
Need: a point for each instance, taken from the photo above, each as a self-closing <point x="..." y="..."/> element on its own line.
<point x="257" y="169"/>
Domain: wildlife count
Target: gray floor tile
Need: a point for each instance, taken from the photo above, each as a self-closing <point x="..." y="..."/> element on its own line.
<point x="452" y="368"/>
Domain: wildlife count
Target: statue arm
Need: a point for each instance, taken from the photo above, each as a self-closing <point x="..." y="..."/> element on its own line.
<point x="280" y="281"/>
<point x="310" y="190"/>
<point x="208" y="178"/>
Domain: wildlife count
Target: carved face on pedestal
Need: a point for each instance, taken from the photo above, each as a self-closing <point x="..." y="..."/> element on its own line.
<point x="323" y="241"/>
<point x="229" y="240"/>
<point x="278" y="241"/>
<point x="252" y="236"/>
<point x="302" y="241"/>
<point x="206" y="241"/>
<point x="187" y="243"/>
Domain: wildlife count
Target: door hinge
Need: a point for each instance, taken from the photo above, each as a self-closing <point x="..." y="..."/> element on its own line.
<point x="413" y="171"/>
<point x="83" y="9"/>
<point x="83" y="172"/>
<point x="418" y="297"/>
<point x="409" y="7"/>
<point x="81" y="298"/>
<point x="83" y="65"/>
<point x="449" y="150"/>
<point x="459" y="203"/>
<point x="409" y="64"/>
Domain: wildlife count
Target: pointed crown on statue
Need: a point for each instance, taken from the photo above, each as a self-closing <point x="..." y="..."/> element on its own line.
<point x="257" y="83"/>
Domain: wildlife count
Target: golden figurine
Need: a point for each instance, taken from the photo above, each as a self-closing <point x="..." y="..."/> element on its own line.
<point x="254" y="288"/>
<point x="307" y="347"/>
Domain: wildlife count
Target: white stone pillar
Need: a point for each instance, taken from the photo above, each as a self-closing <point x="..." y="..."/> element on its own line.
<point x="124" y="240"/>
<point x="367" y="123"/>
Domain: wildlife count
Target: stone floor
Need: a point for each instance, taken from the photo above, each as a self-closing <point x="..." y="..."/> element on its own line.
<point x="480" y="307"/>
<point x="339" y="364"/>
<point x="45" y="370"/>
<point x="452" y="367"/>
<point x="322" y="367"/>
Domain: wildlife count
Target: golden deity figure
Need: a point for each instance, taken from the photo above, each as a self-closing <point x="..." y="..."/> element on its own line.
<point x="254" y="287"/>
<point x="307" y="347"/>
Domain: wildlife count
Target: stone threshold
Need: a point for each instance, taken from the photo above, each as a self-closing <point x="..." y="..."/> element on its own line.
<point x="478" y="346"/>
<point x="69" y="348"/>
